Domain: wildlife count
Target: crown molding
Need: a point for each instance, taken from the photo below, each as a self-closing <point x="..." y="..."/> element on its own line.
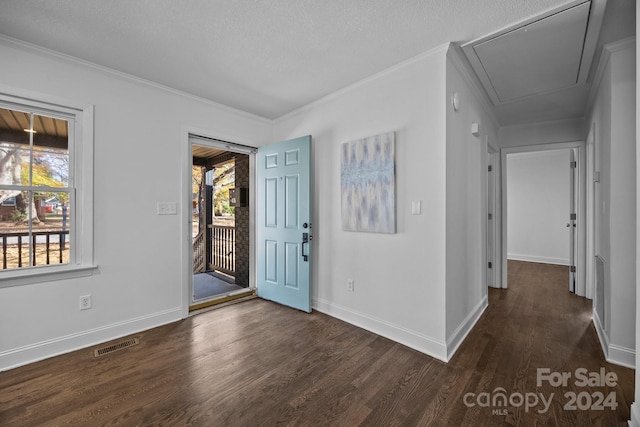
<point x="463" y="67"/>
<point x="13" y="42"/>
<point x="607" y="51"/>
<point x="431" y="52"/>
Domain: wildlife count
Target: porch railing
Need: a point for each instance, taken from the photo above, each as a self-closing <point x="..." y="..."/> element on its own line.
<point x="223" y="242"/>
<point x="199" y="261"/>
<point x="48" y="247"/>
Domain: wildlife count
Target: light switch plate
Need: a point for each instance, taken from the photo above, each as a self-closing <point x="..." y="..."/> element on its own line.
<point x="416" y="207"/>
<point x="167" y="208"/>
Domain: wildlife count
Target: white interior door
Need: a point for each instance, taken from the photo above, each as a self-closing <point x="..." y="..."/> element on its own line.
<point x="572" y="219"/>
<point x="491" y="213"/>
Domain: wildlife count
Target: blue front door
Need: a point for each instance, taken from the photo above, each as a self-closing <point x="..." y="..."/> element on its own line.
<point x="284" y="223"/>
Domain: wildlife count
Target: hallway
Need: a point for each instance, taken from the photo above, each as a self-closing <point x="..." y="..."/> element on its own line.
<point x="538" y="323"/>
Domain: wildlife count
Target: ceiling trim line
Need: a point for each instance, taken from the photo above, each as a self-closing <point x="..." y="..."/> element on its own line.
<point x="523" y="23"/>
<point x="7" y="40"/>
<point x="592" y="34"/>
<point x="543" y="93"/>
<point x="458" y="62"/>
<point x="607" y="50"/>
<point x="578" y="120"/>
<point x="336" y="94"/>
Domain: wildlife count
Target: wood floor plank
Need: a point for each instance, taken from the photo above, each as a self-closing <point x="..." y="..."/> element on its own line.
<point x="261" y="364"/>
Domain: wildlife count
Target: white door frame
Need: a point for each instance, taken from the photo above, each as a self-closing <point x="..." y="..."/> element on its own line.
<point x="590" y="214"/>
<point x="186" y="216"/>
<point x="583" y="264"/>
<point x="493" y="197"/>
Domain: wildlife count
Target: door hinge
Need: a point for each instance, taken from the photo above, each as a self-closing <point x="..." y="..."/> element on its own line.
<point x="490" y="216"/>
<point x="490" y="168"/>
<point x="574" y="165"/>
<point x="573" y="268"/>
<point x="490" y="265"/>
<point x="573" y="217"/>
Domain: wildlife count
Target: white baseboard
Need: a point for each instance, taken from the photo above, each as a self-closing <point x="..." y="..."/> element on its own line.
<point x="43" y="350"/>
<point x="602" y="336"/>
<point x="539" y="259"/>
<point x="465" y="327"/>
<point x="616" y="354"/>
<point x="430" y="346"/>
<point x="622" y="356"/>
<point x="635" y="414"/>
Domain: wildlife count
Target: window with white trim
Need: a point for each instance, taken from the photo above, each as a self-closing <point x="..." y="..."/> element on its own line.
<point x="46" y="201"/>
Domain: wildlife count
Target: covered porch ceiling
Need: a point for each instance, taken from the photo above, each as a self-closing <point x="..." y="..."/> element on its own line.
<point x="15" y="127"/>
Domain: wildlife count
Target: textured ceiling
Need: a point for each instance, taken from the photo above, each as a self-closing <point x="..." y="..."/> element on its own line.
<point x="263" y="57"/>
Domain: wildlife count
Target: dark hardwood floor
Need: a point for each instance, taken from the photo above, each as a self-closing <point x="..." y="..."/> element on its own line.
<point x="260" y="364"/>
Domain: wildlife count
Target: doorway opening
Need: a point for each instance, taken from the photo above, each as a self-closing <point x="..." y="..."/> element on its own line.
<point x="220" y="223"/>
<point x="544" y="208"/>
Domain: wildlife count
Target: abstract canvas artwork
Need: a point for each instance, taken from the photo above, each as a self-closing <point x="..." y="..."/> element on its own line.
<point x="368" y="184"/>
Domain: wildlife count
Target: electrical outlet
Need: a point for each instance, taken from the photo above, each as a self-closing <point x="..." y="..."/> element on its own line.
<point x="85" y="302"/>
<point x="350" y="285"/>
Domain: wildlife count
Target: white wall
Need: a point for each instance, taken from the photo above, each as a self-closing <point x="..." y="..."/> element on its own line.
<point x="541" y="133"/>
<point x="399" y="278"/>
<point x="137" y="164"/>
<point x="466" y="191"/>
<point x="613" y="113"/>
<point x="538" y="206"/>
<point x="623" y="199"/>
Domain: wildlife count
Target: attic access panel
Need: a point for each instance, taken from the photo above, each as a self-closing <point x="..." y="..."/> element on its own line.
<point x="541" y="56"/>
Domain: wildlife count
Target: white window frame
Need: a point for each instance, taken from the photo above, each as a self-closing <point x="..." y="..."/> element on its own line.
<point x="81" y="142"/>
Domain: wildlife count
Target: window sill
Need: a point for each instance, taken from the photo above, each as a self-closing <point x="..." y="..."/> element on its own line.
<point x="44" y="274"/>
